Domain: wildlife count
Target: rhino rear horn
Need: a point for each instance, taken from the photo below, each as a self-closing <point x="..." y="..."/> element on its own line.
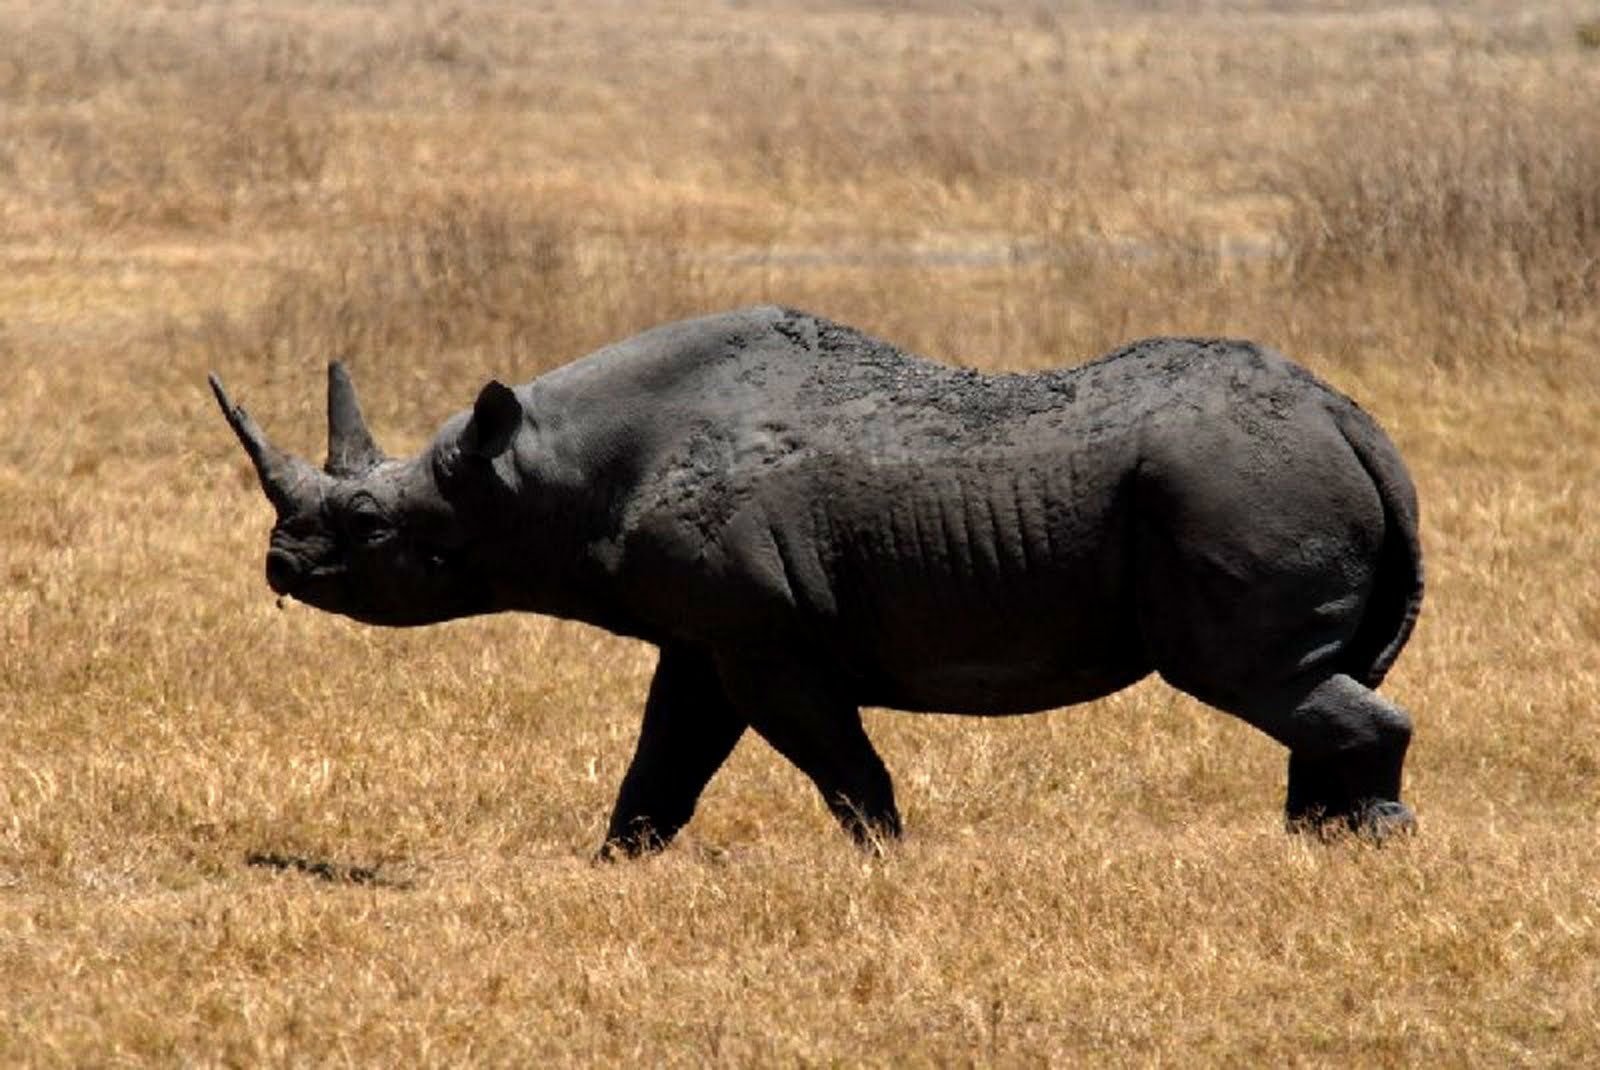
<point x="351" y="450"/>
<point x="283" y="476"/>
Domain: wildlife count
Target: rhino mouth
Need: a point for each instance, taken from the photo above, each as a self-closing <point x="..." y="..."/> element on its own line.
<point x="447" y="591"/>
<point x="289" y="575"/>
<point x="283" y="572"/>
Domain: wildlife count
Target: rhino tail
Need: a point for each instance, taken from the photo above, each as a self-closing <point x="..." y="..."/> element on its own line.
<point x="1391" y="612"/>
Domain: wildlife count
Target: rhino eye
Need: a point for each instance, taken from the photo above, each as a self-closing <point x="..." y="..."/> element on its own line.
<point x="366" y="523"/>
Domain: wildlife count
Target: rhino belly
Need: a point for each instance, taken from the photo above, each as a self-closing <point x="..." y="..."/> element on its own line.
<point x="1008" y="640"/>
<point x="1017" y="661"/>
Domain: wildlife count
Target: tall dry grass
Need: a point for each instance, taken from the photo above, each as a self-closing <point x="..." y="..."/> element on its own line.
<point x="1402" y="197"/>
<point x="1481" y="204"/>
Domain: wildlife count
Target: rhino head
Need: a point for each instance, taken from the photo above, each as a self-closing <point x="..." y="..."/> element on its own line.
<point x="385" y="541"/>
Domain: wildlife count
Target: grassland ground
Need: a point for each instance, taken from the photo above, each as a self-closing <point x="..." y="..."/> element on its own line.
<point x="1407" y="199"/>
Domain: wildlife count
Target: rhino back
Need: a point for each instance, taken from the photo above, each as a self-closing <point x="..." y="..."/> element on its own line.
<point x="953" y="540"/>
<point x="789" y="477"/>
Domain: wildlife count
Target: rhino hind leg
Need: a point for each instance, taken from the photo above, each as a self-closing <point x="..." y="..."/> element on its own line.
<point x="1347" y="745"/>
<point x="1258" y="619"/>
<point x="689" y="730"/>
<point x="793" y="709"/>
<point x="1278" y="670"/>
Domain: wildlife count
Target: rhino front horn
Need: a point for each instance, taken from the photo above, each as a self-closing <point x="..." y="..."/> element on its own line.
<point x="351" y="450"/>
<point x="282" y="475"/>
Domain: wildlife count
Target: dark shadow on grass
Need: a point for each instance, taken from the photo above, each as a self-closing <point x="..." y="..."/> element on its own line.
<point x="331" y="872"/>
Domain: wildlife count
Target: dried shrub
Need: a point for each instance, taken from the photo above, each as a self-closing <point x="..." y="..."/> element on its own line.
<point x="463" y="287"/>
<point x="225" y="158"/>
<point x="1482" y="203"/>
<point x="138" y="123"/>
<point x="920" y="113"/>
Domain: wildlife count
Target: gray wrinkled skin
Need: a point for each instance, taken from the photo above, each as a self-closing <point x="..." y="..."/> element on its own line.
<point x="805" y="521"/>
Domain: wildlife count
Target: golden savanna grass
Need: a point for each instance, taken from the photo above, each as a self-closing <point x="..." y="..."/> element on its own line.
<point x="1406" y="198"/>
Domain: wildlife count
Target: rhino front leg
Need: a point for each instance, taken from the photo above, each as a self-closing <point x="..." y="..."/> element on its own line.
<point x="689" y="730"/>
<point x="793" y="708"/>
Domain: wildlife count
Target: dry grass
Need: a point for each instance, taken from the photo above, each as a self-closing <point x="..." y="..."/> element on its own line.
<point x="1403" y="197"/>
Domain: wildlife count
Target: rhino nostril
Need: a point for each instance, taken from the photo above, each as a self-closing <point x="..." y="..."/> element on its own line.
<point x="282" y="571"/>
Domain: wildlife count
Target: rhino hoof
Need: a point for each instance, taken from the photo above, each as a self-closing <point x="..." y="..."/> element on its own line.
<point x="1382" y="819"/>
<point x="1374" y="820"/>
<point x="626" y="848"/>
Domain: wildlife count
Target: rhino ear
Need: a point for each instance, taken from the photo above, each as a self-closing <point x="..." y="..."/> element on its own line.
<point x="496" y="415"/>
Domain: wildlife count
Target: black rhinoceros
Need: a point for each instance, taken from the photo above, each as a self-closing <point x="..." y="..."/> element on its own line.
<point x="805" y="520"/>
